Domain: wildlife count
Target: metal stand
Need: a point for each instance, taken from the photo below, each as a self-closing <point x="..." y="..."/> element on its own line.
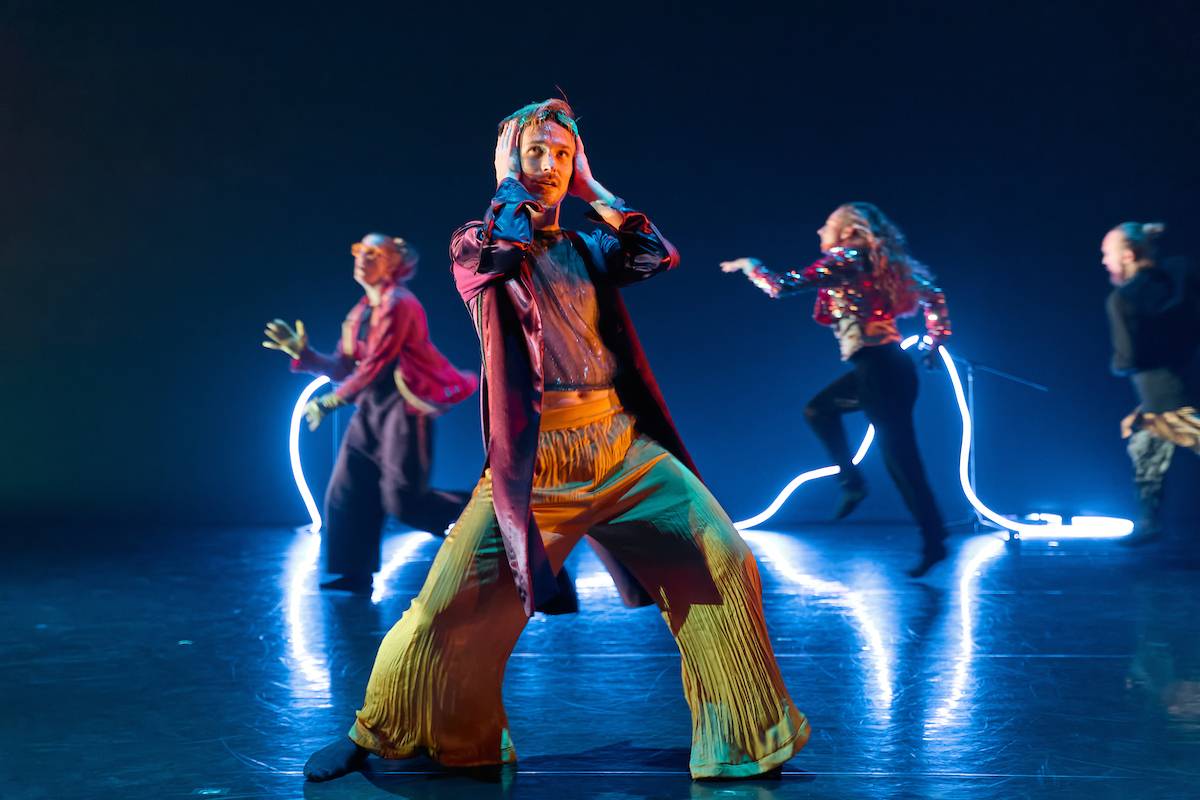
<point x="971" y="366"/>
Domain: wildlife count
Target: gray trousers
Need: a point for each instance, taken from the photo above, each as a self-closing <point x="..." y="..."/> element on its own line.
<point x="1151" y="457"/>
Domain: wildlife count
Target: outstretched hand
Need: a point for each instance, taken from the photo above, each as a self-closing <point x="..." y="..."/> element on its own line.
<point x="740" y="265"/>
<point x="283" y="338"/>
<point x="508" y="152"/>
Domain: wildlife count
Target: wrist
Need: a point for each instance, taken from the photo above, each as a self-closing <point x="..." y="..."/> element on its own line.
<point x="591" y="191"/>
<point x="594" y="192"/>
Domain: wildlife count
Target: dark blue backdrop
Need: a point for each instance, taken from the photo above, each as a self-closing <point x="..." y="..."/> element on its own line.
<point x="176" y="175"/>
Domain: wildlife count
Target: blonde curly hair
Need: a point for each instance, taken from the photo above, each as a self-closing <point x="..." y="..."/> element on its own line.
<point x="892" y="266"/>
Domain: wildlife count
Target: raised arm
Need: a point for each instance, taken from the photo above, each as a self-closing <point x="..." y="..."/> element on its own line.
<point x="838" y="267"/>
<point x="304" y="359"/>
<point x="633" y="247"/>
<point x="490" y="250"/>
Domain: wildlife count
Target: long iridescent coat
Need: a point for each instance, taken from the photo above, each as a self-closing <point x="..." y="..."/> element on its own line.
<point x="850" y="302"/>
<point x="492" y="269"/>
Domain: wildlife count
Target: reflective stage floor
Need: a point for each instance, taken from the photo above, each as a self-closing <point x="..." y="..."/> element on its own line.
<point x="184" y="664"/>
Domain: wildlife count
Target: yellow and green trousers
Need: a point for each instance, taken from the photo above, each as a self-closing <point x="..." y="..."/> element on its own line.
<point x="437" y="680"/>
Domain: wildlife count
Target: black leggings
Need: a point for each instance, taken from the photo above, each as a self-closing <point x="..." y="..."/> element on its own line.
<point x="883" y="385"/>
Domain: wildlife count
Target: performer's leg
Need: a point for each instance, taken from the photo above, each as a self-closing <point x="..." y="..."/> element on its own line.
<point x="436" y="684"/>
<point x="889" y="392"/>
<point x="436" y="681"/>
<point x="665" y="526"/>
<point x="824" y="414"/>
<point x="406" y="490"/>
<point x="1151" y="457"/>
<point x="353" y="510"/>
<point x="898" y="441"/>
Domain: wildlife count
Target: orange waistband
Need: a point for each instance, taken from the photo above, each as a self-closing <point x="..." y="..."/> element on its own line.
<point x="561" y="410"/>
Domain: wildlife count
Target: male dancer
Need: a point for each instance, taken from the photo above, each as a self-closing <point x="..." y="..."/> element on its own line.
<point x="390" y="369"/>
<point x="579" y="442"/>
<point x="1154" y="319"/>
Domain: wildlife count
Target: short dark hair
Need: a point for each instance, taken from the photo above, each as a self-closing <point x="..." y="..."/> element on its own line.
<point x="1142" y="239"/>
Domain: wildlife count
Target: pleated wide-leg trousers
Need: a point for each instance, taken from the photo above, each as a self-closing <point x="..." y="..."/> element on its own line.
<point x="437" y="680"/>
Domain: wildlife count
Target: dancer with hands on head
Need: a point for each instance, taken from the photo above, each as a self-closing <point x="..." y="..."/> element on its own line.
<point x="579" y="444"/>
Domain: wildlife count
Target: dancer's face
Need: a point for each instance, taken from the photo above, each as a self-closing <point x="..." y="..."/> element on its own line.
<point x="835" y="232"/>
<point x="547" y="161"/>
<point x="375" y="258"/>
<point x="1117" y="257"/>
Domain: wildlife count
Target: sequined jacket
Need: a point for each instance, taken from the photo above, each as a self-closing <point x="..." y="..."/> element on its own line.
<point x="492" y="269"/>
<point x="397" y="345"/>
<point x="848" y="300"/>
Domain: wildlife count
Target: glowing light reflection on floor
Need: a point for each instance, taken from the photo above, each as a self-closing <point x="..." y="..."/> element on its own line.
<point x="400" y="556"/>
<point x="777" y="550"/>
<point x="300" y="578"/>
<point x="982" y="550"/>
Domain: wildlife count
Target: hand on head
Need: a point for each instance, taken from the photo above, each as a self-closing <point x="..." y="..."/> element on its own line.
<point x="508" y="152"/>
<point x="540" y="146"/>
<point x="582" y="180"/>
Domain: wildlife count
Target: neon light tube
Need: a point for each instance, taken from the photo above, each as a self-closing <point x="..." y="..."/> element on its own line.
<point x="294" y="451"/>
<point x="1050" y="527"/>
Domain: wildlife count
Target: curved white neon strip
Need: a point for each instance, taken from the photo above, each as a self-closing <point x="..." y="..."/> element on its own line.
<point x="777" y="503"/>
<point x="772" y="548"/>
<point x="294" y="451"/>
<point x="813" y="474"/>
<point x="800" y="480"/>
<point x="1080" y="527"/>
<point x="303" y="563"/>
<point x="398" y="558"/>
